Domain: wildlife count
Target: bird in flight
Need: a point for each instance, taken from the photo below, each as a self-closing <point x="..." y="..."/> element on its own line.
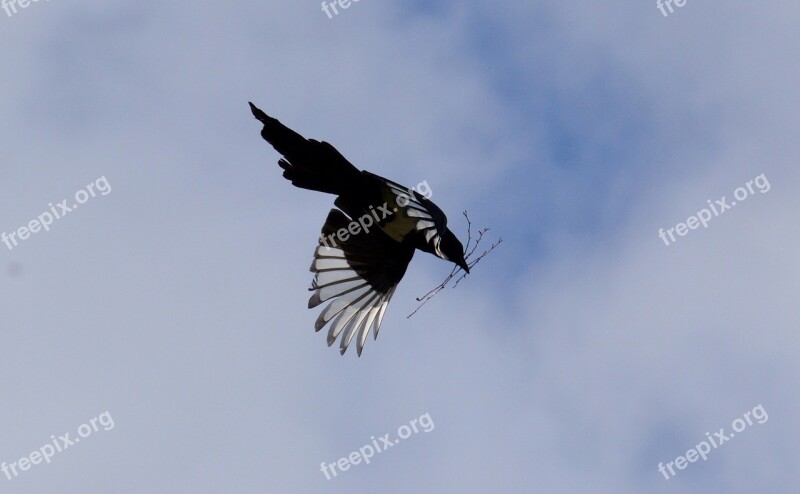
<point x="366" y="244"/>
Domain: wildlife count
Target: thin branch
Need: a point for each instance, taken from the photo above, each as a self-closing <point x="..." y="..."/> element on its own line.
<point x="468" y="253"/>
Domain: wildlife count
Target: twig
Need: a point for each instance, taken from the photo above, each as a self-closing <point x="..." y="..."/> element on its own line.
<point x="468" y="253"/>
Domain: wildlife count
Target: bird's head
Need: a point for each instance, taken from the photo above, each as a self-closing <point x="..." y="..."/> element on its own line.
<point x="450" y="249"/>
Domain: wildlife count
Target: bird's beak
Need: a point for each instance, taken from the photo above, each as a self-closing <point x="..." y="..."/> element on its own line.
<point x="463" y="265"/>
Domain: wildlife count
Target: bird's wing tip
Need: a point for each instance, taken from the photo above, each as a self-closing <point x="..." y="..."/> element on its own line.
<point x="260" y="115"/>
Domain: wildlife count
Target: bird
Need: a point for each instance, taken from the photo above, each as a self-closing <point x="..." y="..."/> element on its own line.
<point x="367" y="241"/>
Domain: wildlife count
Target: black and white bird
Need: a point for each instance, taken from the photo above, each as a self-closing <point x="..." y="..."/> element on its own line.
<point x="367" y="243"/>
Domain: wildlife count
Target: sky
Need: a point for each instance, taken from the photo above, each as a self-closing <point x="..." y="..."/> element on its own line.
<point x="163" y="323"/>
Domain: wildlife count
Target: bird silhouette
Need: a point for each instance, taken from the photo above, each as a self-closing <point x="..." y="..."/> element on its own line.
<point x="366" y="244"/>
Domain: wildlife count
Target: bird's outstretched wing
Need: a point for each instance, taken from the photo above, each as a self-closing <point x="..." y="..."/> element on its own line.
<point x="360" y="274"/>
<point x="307" y="163"/>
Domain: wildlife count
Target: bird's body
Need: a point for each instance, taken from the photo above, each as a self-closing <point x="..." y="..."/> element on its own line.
<point x="365" y="245"/>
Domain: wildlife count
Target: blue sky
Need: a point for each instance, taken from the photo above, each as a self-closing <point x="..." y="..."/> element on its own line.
<point x="575" y="358"/>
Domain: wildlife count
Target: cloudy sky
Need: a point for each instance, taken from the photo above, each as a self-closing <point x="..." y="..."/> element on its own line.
<point x="577" y="357"/>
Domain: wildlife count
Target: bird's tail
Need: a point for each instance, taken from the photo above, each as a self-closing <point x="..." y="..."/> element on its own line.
<point x="307" y="163"/>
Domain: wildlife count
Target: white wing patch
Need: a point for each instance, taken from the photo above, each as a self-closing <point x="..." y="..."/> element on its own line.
<point x="413" y="208"/>
<point x="357" y="307"/>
